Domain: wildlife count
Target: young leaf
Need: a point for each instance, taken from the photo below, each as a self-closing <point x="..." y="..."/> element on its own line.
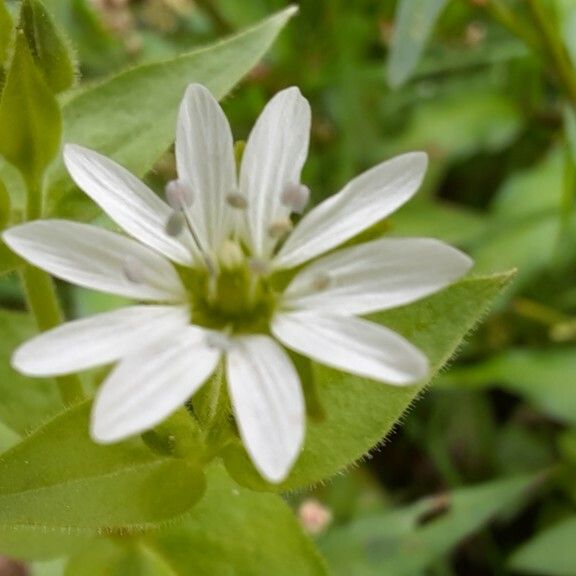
<point x="49" y="48"/>
<point x="58" y="481"/>
<point x="132" y="117"/>
<point x="360" y="412"/>
<point x="29" y="116"/>
<point x="550" y="553"/>
<point x="414" y="22"/>
<point x="230" y="531"/>
<point x="429" y="529"/>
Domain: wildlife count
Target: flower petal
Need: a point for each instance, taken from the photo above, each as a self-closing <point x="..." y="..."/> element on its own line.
<point x="95" y="258"/>
<point x="353" y="345"/>
<point x="128" y="201"/>
<point x="268" y="404"/>
<point x="97" y="340"/>
<point x="273" y="159"/>
<point x="376" y="276"/>
<point x="205" y="158"/>
<point x="148" y="386"/>
<point x="364" y="201"/>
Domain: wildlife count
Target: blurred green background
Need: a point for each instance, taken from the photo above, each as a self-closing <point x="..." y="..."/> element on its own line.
<point x="488" y="89"/>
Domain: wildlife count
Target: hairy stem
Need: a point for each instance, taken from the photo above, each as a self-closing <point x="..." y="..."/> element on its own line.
<point x="43" y="303"/>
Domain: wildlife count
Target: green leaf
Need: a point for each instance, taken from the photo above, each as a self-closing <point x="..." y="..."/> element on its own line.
<point x="57" y="481"/>
<point x="407" y="541"/>
<point x="8" y="260"/>
<point x="413" y="25"/>
<point x="360" y="412"/>
<point x="29" y="116"/>
<point x="132" y="117"/>
<point x="26" y="402"/>
<point x="545" y="377"/>
<point x="550" y="553"/>
<point x="230" y="531"/>
<point x="5" y="34"/>
<point x="49" y="48"/>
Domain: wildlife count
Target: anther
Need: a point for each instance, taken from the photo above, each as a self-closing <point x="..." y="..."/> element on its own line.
<point x="321" y="281"/>
<point x="296" y="197"/>
<point x="280" y="228"/>
<point x="175" y="224"/>
<point x="178" y="194"/>
<point x="236" y="200"/>
<point x="132" y="269"/>
<point x="258" y="267"/>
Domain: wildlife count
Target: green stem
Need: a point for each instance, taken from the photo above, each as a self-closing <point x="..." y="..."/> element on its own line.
<point x="34" y="198"/>
<point x="506" y="17"/>
<point x="43" y="302"/>
<point x="555" y="49"/>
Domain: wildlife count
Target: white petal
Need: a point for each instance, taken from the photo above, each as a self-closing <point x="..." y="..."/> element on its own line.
<point x="205" y="158"/>
<point x="128" y="201"/>
<point x="268" y="404"/>
<point x="148" y="386"/>
<point x="95" y="258"/>
<point x="98" y="340"/>
<point x="353" y="345"/>
<point x="364" y="201"/>
<point x="377" y="275"/>
<point x="273" y="159"/>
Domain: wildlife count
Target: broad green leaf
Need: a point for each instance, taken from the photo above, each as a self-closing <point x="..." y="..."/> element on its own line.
<point x="58" y="482"/>
<point x="545" y="377"/>
<point x="230" y="531"/>
<point x="413" y="25"/>
<point x="29" y="116"/>
<point x="407" y="541"/>
<point x="5" y="34"/>
<point x="132" y="117"/>
<point x="8" y="260"/>
<point x="25" y="402"/>
<point x="49" y="48"/>
<point x="7" y="437"/>
<point x="360" y="412"/>
<point x="550" y="553"/>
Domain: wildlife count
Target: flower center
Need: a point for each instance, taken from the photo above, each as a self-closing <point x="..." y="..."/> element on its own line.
<point x="237" y="298"/>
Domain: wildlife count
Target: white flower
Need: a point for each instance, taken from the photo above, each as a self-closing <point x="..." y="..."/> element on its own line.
<point x="210" y="267"/>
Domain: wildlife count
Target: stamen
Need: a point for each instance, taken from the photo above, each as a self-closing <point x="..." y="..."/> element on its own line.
<point x="236" y="200"/>
<point x="178" y="194"/>
<point x="258" y="267"/>
<point x="217" y="340"/>
<point x="175" y="224"/>
<point x="321" y="281"/>
<point x="280" y="228"/>
<point x="296" y="197"/>
<point x="132" y="269"/>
